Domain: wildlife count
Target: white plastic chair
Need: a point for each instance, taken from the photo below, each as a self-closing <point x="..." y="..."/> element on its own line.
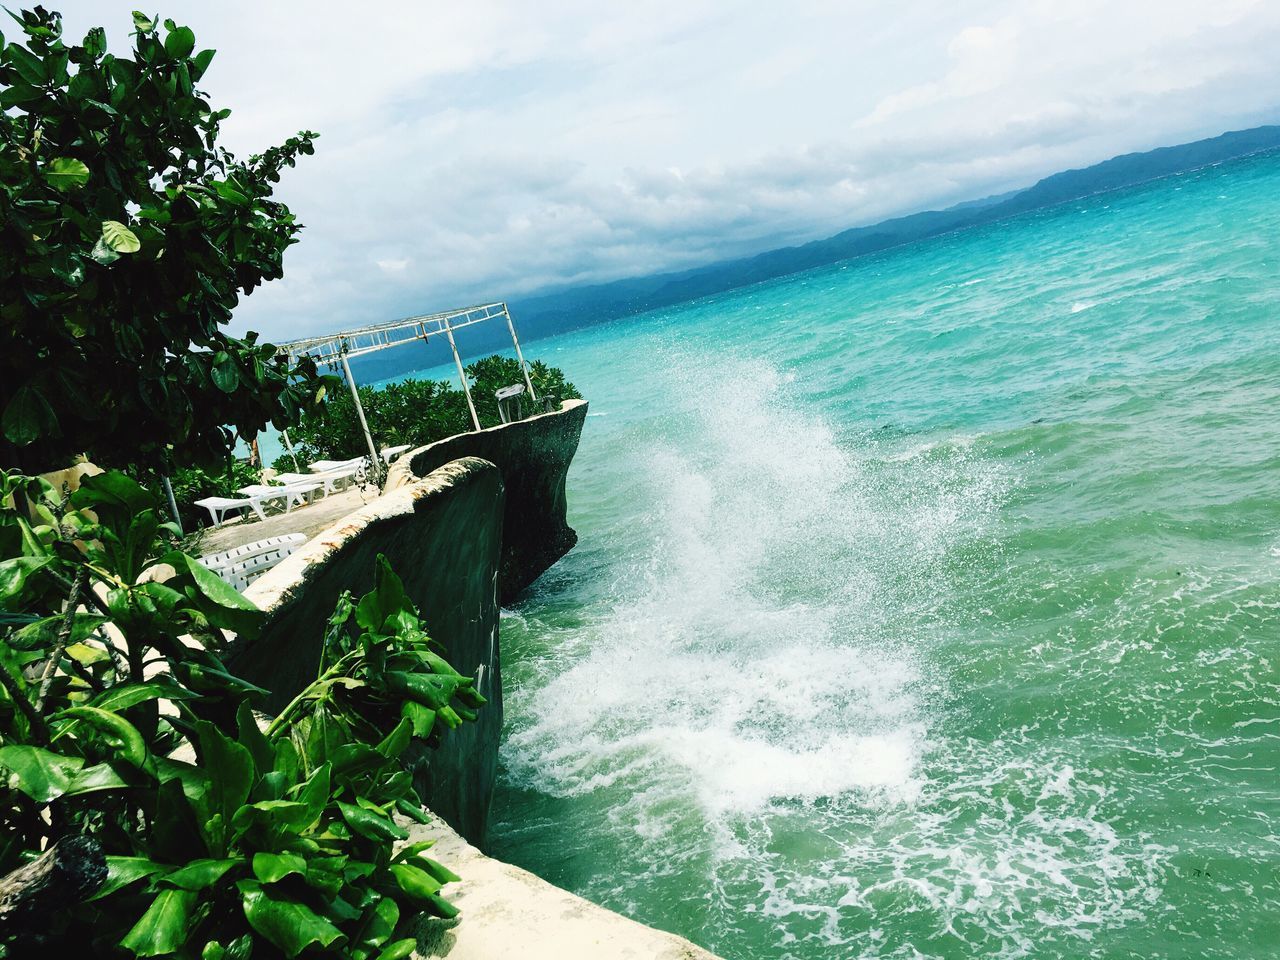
<point x="244" y="564"/>
<point x="326" y="466"/>
<point x="219" y="507"/>
<point x="329" y="479"/>
<point x="292" y="494"/>
<point x="507" y="398"/>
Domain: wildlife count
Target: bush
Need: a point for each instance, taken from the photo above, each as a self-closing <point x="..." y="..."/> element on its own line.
<point x="124" y="732"/>
<point x="418" y="412"/>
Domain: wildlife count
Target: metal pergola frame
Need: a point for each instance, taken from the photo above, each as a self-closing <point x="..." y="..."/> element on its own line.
<point x="334" y="349"/>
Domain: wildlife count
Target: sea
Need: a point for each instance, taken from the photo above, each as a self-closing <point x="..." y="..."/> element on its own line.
<point x="927" y="604"/>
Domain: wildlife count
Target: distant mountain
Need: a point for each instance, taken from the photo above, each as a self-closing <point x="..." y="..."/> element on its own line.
<point x="576" y="307"/>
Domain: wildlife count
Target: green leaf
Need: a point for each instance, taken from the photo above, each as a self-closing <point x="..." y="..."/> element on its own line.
<point x="193" y="784"/>
<point x="273" y="867"/>
<point x="315" y="793"/>
<point x="119" y="237"/>
<point x="230" y="769"/>
<point x="103" y="254"/>
<point x="112" y="489"/>
<point x="284" y="815"/>
<point x="180" y="42"/>
<point x="241" y="948"/>
<point x="422" y="718"/>
<point x="162" y="930"/>
<point x="198" y="874"/>
<point x="410" y="850"/>
<point x="41" y="774"/>
<point x="380" y="923"/>
<point x="30" y="67"/>
<point x="398" y="950"/>
<point x="202" y="61"/>
<point x="131" y="694"/>
<point x="414" y="881"/>
<point x="253" y="739"/>
<point x="413" y="809"/>
<point x="44" y="632"/>
<point x="122" y="871"/>
<point x="95" y="43"/>
<point x="225" y="376"/>
<point x="66" y="173"/>
<point x="118" y="731"/>
<point x="290" y="925"/>
<point x="369" y="824"/>
<point x="230" y="192"/>
<point x="395" y="742"/>
<point x="14" y="573"/>
<point x="438" y="871"/>
<point x="430" y="689"/>
<point x="142" y="23"/>
<point x="441" y="907"/>
<point x="101" y="776"/>
<point x="28" y="417"/>
<point x="386" y="600"/>
<point x="218" y="600"/>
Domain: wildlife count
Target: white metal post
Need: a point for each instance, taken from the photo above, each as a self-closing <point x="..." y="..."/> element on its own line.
<point x="462" y="374"/>
<point x="375" y="459"/>
<point x="173" y="503"/>
<point x="524" y="368"/>
<point x="284" y="435"/>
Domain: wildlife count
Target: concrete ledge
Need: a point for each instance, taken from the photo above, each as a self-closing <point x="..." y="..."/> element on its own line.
<point x="509" y="912"/>
<point x="534" y="457"/>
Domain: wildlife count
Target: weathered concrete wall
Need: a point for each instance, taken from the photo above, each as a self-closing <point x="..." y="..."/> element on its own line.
<point x="509" y="912"/>
<point x="534" y="456"/>
<point x="443" y="536"/>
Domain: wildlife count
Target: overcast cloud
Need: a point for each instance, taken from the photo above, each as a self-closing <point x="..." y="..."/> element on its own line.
<point x="476" y="150"/>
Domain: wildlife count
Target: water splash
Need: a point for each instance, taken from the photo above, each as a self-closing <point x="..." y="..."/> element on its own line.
<point x="961" y="645"/>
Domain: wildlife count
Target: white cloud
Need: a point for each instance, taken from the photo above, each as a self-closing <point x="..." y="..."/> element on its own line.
<point x="486" y="150"/>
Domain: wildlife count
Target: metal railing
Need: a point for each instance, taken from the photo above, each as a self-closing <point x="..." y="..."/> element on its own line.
<point x="334" y="349"/>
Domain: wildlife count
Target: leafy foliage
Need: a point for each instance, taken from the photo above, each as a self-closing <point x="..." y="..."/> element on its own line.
<point x="119" y="719"/>
<point x="126" y="238"/>
<point x="418" y="412"/>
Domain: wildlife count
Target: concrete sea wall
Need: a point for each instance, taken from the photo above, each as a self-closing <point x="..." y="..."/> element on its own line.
<point x="443" y="536"/>
<point x="447" y="535"/>
<point x="534" y="457"/>
<point x="509" y="912"/>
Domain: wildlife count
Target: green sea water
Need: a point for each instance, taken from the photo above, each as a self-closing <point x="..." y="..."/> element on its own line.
<point x="928" y="604"/>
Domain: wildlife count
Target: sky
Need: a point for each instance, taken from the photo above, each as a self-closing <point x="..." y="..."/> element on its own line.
<point x="475" y="151"/>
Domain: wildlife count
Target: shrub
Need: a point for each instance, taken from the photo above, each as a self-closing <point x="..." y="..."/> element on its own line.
<point x="418" y="412"/>
<point x="123" y="727"/>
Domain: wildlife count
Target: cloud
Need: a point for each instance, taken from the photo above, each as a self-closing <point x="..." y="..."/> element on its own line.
<point x="487" y="150"/>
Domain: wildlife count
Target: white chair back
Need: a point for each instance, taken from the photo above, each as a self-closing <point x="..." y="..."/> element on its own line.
<point x="244" y="564"/>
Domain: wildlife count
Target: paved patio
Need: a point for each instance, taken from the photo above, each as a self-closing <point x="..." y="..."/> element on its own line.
<point x="308" y="520"/>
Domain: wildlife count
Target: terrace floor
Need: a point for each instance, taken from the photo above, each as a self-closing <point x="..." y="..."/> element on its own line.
<point x="309" y="520"/>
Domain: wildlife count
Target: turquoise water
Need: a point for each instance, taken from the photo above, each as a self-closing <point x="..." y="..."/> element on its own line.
<point x="928" y="605"/>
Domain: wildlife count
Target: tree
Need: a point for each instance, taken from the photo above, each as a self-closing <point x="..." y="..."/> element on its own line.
<point x="126" y="238"/>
